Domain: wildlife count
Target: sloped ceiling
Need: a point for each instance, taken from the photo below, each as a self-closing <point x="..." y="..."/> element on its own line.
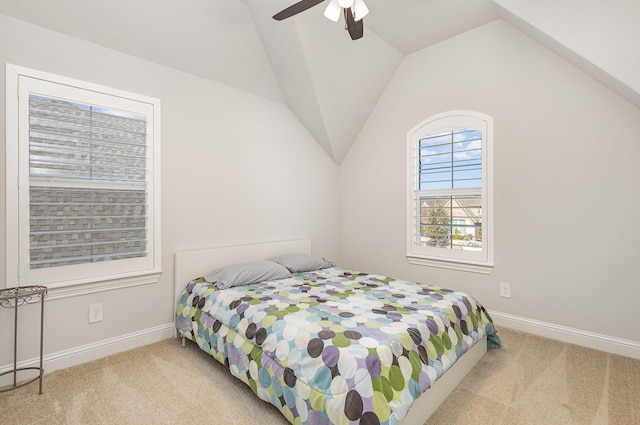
<point x="329" y="81"/>
<point x="309" y="63"/>
<point x="600" y="37"/>
<point x="214" y="39"/>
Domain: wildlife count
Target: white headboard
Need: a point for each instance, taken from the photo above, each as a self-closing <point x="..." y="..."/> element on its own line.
<point x="188" y="265"/>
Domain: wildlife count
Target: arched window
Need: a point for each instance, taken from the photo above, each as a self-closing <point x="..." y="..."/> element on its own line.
<point x="449" y="212"/>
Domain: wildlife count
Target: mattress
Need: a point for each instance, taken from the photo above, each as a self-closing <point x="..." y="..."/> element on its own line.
<point x="334" y="345"/>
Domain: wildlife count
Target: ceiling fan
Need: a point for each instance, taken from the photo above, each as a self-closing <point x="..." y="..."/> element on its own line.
<point x="354" y="11"/>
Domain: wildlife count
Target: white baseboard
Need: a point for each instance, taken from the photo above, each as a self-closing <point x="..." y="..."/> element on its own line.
<point x="622" y="347"/>
<point x="85" y="353"/>
<point x="107" y="347"/>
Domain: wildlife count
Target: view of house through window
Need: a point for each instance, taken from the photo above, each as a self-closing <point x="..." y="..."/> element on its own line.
<point x="87" y="168"/>
<point x="450" y="161"/>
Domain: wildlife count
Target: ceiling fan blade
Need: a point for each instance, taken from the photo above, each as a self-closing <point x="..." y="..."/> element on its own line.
<point x="355" y="28"/>
<point x="296" y="8"/>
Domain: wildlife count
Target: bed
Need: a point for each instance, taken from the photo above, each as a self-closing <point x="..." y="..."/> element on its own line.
<point x="331" y="345"/>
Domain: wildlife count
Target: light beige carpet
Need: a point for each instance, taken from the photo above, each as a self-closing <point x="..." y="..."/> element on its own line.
<point x="530" y="380"/>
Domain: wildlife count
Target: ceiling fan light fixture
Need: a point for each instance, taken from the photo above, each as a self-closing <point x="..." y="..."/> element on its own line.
<point x="333" y="10"/>
<point x="360" y="9"/>
<point x="354" y="11"/>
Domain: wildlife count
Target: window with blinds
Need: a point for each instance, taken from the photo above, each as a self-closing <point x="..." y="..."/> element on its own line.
<point x="88" y="197"/>
<point x="87" y="169"/>
<point x="448" y="188"/>
<point x="450" y="163"/>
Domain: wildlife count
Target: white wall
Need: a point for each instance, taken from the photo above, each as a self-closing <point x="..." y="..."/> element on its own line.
<point x="566" y="181"/>
<point x="236" y="168"/>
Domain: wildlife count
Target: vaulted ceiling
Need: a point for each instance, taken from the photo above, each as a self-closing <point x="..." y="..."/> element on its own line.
<point x="330" y="82"/>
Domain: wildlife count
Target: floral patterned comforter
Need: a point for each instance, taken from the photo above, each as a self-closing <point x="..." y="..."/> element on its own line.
<point x="334" y="346"/>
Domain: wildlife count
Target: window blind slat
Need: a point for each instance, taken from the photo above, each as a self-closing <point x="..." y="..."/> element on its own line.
<point x="70" y="260"/>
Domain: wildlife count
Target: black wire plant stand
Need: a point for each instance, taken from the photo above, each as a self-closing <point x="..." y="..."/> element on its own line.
<point x="14" y="298"/>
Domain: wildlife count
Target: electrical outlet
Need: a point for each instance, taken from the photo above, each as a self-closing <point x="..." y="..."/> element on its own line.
<point x="95" y="313"/>
<point x="505" y="290"/>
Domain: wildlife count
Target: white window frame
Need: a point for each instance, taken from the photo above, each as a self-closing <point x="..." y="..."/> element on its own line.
<point x="478" y="262"/>
<point x="84" y="278"/>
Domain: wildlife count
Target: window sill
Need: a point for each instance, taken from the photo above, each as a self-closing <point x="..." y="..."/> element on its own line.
<point x="78" y="288"/>
<point x="465" y="266"/>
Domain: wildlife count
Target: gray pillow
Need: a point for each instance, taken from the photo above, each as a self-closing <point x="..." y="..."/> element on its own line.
<point x="246" y="274"/>
<point x="297" y="263"/>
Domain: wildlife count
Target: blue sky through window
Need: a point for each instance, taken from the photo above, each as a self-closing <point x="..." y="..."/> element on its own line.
<point x="451" y="160"/>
